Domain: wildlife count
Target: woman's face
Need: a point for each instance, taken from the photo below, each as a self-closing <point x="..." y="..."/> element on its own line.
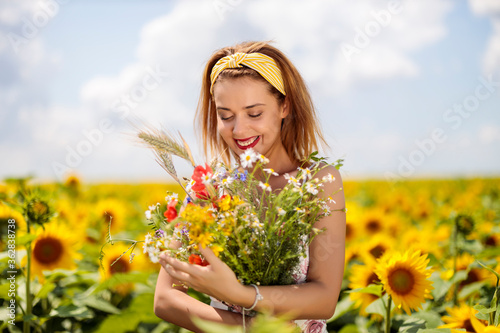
<point x="249" y="116"/>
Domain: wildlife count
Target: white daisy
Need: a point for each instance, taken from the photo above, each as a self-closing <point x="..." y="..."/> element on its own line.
<point x="148" y="214"/>
<point x="299" y="210"/>
<point x="263" y="159"/>
<point x="265" y="186"/>
<point x="271" y="172"/>
<point x="292" y="180"/>
<point x="311" y="188"/>
<point x="306" y="173"/>
<point x="329" y="178"/>
<point x="248" y="158"/>
<point x="281" y="211"/>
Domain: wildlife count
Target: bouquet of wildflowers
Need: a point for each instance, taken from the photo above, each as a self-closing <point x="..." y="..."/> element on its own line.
<point x="259" y="233"/>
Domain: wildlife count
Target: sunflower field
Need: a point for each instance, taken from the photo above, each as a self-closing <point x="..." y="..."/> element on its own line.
<point x="421" y="256"/>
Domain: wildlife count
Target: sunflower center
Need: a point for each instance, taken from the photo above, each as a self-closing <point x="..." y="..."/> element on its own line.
<point x="373" y="278"/>
<point x="121" y="266"/>
<point x="48" y="250"/>
<point x="377" y="251"/>
<point x="401" y="281"/>
<point x="373" y="226"/>
<point x="348" y="231"/>
<point x="468" y="326"/>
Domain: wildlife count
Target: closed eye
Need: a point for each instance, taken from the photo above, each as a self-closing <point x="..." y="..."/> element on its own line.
<point x="255" y="115"/>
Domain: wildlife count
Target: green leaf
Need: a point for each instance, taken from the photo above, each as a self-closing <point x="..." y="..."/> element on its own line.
<point x="345" y="305"/>
<point x="470" y="289"/>
<point x="119" y="278"/>
<point x="25" y="239"/>
<point x="482" y="309"/>
<point x="45" y="290"/>
<point x="375" y="289"/>
<point x="489" y="269"/>
<point x="140" y="310"/>
<point x="431" y="318"/>
<point x="434" y="330"/>
<point x="412" y="325"/>
<point x="72" y="310"/>
<point x="100" y="304"/>
<point x="376" y="307"/>
<point x="351" y="328"/>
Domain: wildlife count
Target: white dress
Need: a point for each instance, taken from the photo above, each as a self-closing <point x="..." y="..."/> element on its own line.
<point x="299" y="276"/>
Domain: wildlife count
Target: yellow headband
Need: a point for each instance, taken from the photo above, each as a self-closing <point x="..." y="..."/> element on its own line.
<point x="263" y="64"/>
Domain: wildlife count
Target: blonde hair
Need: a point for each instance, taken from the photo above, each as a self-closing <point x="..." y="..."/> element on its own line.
<point x="300" y="130"/>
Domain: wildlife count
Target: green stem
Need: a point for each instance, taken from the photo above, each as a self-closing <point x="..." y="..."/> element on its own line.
<point x="388" y="316"/>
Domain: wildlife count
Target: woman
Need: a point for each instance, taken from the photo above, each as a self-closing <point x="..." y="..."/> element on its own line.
<point x="253" y="97"/>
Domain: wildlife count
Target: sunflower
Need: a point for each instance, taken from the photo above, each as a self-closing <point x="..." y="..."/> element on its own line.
<point x="405" y="278"/>
<point x="378" y="245"/>
<point x="55" y="246"/>
<point x="110" y="210"/>
<point x="373" y="221"/>
<point x="463" y="263"/>
<point x="460" y="317"/>
<point x="362" y="276"/>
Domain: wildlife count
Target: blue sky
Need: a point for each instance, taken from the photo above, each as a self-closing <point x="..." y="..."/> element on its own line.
<point x="391" y="109"/>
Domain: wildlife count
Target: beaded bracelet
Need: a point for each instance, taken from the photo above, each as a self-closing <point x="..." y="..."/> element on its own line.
<point x="258" y="297"/>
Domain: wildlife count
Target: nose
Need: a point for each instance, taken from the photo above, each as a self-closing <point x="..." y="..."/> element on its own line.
<point x="239" y="127"/>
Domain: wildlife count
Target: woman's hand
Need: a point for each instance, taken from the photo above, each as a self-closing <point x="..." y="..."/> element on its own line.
<point x="216" y="279"/>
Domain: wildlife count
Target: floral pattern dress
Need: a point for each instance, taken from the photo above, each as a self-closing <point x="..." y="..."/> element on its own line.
<point x="299" y="276"/>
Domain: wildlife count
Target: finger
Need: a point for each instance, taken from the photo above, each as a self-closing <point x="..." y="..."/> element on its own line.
<point x="208" y="254"/>
<point x="177" y="275"/>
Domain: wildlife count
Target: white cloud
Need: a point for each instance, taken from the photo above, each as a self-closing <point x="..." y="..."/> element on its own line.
<point x="491" y="9"/>
<point x="489" y="134"/>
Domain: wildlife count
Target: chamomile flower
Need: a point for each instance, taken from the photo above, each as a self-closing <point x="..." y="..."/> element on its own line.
<point x="292" y="180"/>
<point x="329" y="178"/>
<point x="263" y="159"/>
<point x="311" y="188"/>
<point x="299" y="210"/>
<point x="148" y="214"/>
<point x="265" y="186"/>
<point x="281" y="211"/>
<point x="271" y="172"/>
<point x="170" y="197"/>
<point x="248" y="158"/>
<point x="227" y="181"/>
<point x="330" y="200"/>
<point x="306" y="173"/>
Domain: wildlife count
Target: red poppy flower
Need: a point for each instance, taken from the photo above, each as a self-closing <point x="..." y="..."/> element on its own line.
<point x="171" y="212"/>
<point x="199" y="187"/>
<point x="195" y="259"/>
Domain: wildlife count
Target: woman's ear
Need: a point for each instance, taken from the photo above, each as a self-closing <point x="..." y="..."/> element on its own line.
<point x="284" y="109"/>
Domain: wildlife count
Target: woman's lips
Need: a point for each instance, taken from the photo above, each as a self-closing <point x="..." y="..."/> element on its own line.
<point x="247" y="143"/>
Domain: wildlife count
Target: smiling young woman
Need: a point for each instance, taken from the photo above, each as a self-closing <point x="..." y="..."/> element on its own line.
<point x="253" y="97"/>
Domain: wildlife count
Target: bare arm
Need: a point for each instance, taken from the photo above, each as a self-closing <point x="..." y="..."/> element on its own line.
<point x="174" y="305"/>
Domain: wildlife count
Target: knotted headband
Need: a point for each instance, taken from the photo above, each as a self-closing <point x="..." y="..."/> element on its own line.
<point x="263" y="64"/>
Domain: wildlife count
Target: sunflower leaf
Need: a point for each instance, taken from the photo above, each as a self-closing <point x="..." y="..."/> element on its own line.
<point x="374" y="289"/>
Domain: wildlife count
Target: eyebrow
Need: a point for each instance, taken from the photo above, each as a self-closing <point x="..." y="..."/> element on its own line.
<point x="246" y="107"/>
